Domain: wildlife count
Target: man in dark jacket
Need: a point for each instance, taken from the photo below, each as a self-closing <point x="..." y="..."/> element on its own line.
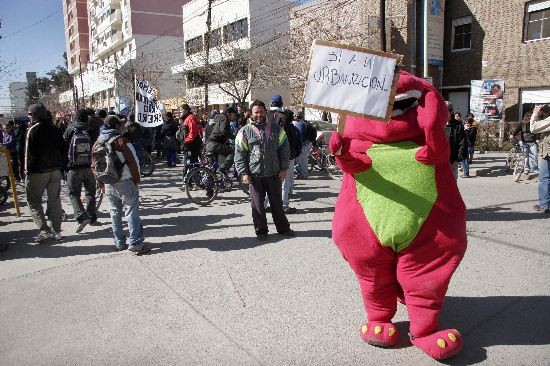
<point x="19" y="134"/>
<point x="79" y="169"/>
<point x="457" y="140"/>
<point x="169" y="142"/>
<point x="45" y="157"/>
<point x="220" y="140"/>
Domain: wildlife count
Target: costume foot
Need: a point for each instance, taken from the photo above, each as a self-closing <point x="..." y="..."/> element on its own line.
<point x="379" y="334"/>
<point x="440" y="345"/>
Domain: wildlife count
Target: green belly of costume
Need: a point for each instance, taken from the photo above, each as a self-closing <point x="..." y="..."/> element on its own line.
<point x="396" y="193"/>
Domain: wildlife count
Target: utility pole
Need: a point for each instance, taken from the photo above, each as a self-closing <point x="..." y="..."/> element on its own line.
<point x="383" y="26"/>
<point x="81" y="82"/>
<point x="207" y="51"/>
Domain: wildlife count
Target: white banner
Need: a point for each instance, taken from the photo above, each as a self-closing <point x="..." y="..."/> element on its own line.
<point x="148" y="108"/>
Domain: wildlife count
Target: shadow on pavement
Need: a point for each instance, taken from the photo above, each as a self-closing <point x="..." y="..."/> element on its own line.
<point x="496" y="321"/>
<point x="499" y="213"/>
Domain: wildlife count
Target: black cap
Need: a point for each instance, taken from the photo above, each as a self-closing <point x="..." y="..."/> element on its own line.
<point x="229" y="109"/>
<point x="39" y="110"/>
<point x="81" y="115"/>
<point x="112" y="122"/>
<point x="102" y="113"/>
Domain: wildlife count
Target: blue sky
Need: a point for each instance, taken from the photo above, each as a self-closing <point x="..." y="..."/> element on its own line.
<point x="33" y="37"/>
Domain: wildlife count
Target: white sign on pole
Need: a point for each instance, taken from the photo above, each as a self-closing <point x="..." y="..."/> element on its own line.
<point x="148" y="108"/>
<point x="351" y="80"/>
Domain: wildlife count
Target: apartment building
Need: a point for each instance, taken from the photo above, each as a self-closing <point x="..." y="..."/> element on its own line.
<point x="237" y="27"/>
<point x="127" y="38"/>
<point x="76" y="34"/>
<point x="18" y="98"/>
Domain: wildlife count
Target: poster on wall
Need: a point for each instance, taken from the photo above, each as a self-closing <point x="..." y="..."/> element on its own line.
<point x="436" y="30"/>
<point x="148" y="108"/>
<point x="487" y="99"/>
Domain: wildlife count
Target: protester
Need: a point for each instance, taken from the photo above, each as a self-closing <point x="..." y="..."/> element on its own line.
<point x="302" y="159"/>
<point x="45" y="152"/>
<point x="540" y="123"/>
<point x="528" y="142"/>
<point x="122" y="195"/>
<point x="470" y="133"/>
<point x="458" y="117"/>
<point x="454" y="132"/>
<point x="19" y="134"/>
<point x="475" y="125"/>
<point x="261" y="160"/>
<point x="8" y="141"/>
<point x="220" y="140"/>
<point x="192" y="140"/>
<point x="169" y="142"/>
<point x="295" y="143"/>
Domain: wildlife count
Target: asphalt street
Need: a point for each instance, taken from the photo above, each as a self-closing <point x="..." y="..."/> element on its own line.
<point x="209" y="293"/>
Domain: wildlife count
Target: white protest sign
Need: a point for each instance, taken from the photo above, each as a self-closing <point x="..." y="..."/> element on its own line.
<point x="351" y="80"/>
<point x="148" y="111"/>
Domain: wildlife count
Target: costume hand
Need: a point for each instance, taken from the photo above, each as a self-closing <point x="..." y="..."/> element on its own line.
<point x="247" y="179"/>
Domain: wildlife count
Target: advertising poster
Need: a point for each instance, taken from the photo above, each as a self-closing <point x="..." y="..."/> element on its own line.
<point x="436" y="28"/>
<point x="487" y="99"/>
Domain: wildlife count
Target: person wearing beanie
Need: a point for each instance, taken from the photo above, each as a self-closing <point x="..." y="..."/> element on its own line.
<point x="123" y="196"/>
<point x="44" y="160"/>
<point x="79" y="136"/>
<point x="454" y="131"/>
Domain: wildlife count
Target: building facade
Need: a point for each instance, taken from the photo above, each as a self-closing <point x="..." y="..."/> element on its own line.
<point x="129" y="38"/>
<point x="240" y="31"/>
<point x="480" y="40"/>
<point x="18" y="98"/>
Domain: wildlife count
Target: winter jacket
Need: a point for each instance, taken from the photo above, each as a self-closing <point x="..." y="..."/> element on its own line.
<point x="524" y="131"/>
<point x="125" y="152"/>
<point x="9" y="142"/>
<point x="19" y="134"/>
<point x="68" y="135"/>
<point x="542" y="127"/>
<point x="261" y="150"/>
<point x="454" y="131"/>
<point x="45" y="148"/>
<point x="191" y="128"/>
<point x="221" y="131"/>
<point x="471" y="135"/>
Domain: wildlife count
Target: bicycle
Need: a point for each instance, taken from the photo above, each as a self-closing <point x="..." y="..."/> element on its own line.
<point x="4" y="189"/>
<point x="514" y="161"/>
<point x="202" y="183"/>
<point x="319" y="159"/>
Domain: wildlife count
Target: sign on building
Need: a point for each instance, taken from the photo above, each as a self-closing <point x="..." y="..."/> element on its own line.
<point x="436" y="30"/>
<point x="351" y="80"/>
<point x="148" y="108"/>
<point x="487" y="99"/>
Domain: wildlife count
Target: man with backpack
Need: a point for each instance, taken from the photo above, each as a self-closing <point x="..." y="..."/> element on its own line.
<point x="116" y="168"/>
<point x="219" y="141"/>
<point x="309" y="136"/>
<point x="79" y="138"/>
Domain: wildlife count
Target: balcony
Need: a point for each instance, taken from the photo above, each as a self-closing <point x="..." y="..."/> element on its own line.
<point x="108" y="44"/>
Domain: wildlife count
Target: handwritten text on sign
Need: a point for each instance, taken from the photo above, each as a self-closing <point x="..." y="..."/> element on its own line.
<point x="148" y="108"/>
<point x="350" y="80"/>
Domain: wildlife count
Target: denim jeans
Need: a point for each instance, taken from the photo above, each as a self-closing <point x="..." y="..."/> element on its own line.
<point x="465" y="164"/>
<point x="531" y="151"/>
<point x="544" y="182"/>
<point x="171" y="155"/>
<point x="287" y="184"/>
<point x="76" y="178"/>
<point x="302" y="160"/>
<point x="125" y="195"/>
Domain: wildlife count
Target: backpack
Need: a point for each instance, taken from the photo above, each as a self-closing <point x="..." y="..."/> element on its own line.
<point x="295" y="142"/>
<point x="311" y="132"/>
<point x="106" y="162"/>
<point x="80" y="148"/>
<point x="276" y="117"/>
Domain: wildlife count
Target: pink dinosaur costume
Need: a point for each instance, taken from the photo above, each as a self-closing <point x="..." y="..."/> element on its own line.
<point x="399" y="220"/>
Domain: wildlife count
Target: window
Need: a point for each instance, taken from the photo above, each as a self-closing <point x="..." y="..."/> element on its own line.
<point x="537" y="20"/>
<point x="193" y="46"/>
<point x="236" y="30"/>
<point x="462" y="34"/>
<point x="216" y="37"/>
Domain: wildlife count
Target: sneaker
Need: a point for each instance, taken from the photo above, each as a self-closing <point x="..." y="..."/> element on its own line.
<point x="82" y="225"/>
<point x="43" y="236"/>
<point x="290" y="210"/>
<point x="465" y="176"/>
<point x="182" y="188"/>
<point x="535" y="172"/>
<point x="120" y="249"/>
<point x="542" y="210"/>
<point x="137" y="250"/>
<point x="289" y="232"/>
<point x="261" y="237"/>
<point x="56" y="236"/>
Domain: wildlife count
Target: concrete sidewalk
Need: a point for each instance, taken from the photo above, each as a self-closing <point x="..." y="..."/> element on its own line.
<point x="209" y="293"/>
